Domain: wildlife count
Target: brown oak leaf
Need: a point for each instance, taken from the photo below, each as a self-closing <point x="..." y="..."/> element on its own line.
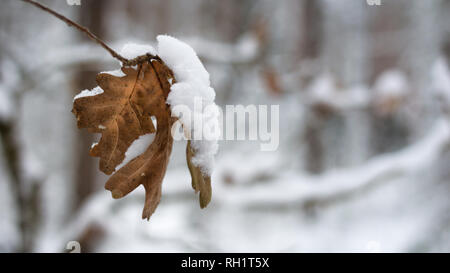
<point x="113" y="114"/>
<point x="122" y="113"/>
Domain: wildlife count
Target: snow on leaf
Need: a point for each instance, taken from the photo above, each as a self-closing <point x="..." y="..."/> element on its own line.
<point x="192" y="89"/>
<point x="88" y="93"/>
<point x="122" y="108"/>
<point x="132" y="50"/>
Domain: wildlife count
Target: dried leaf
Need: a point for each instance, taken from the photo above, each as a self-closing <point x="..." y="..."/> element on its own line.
<point x="122" y="113"/>
<point x="148" y="169"/>
<point x="113" y="114"/>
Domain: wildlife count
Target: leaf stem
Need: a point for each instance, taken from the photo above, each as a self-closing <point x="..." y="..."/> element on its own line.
<point x="114" y="54"/>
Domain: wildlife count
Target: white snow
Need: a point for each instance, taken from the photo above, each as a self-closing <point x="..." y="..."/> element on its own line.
<point x="181" y="58"/>
<point x="132" y="50"/>
<point x="137" y="147"/>
<point x="192" y="90"/>
<point x="392" y="83"/>
<point x="87" y="93"/>
<point x="324" y="90"/>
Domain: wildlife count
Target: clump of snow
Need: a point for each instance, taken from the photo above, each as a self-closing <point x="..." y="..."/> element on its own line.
<point x="324" y="90"/>
<point x="193" y="91"/>
<point x="137" y="147"/>
<point x="182" y="59"/>
<point x="392" y="83"/>
<point x="132" y="50"/>
<point x="247" y="46"/>
<point x="87" y="93"/>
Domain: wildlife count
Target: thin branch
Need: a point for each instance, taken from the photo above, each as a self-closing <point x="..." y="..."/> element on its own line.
<point x="125" y="61"/>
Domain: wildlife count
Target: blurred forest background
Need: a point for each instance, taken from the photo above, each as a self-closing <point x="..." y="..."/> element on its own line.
<point x="364" y="158"/>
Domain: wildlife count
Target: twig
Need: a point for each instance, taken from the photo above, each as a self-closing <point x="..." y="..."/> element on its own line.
<point x="125" y="61"/>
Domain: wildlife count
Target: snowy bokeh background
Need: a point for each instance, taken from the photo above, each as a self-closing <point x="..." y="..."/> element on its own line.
<point x="363" y="163"/>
